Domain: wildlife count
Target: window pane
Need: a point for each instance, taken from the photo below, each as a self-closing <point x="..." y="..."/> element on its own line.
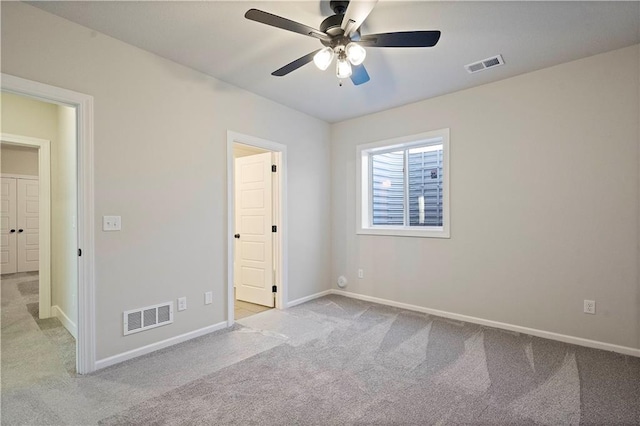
<point x="425" y="186"/>
<point x="388" y="188"/>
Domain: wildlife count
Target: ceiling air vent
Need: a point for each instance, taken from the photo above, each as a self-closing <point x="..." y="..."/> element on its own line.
<point x="149" y="317"/>
<point x="484" y="64"/>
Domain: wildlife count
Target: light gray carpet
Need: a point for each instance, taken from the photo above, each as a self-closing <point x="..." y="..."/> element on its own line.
<point x="31" y="347"/>
<point x="380" y="365"/>
<point x="341" y="361"/>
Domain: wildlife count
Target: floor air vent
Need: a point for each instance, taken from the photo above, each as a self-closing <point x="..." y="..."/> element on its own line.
<point x="150" y="317"/>
<point x="484" y="64"/>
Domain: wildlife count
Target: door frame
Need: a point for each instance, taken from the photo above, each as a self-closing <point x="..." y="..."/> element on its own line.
<point x="44" y="205"/>
<point x="280" y="201"/>
<point x="85" y="342"/>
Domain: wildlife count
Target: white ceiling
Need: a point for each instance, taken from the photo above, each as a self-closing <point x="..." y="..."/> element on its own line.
<point x="215" y="38"/>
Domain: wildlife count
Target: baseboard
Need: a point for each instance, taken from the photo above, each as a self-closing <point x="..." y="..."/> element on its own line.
<point x="496" y="324"/>
<point x="65" y="320"/>
<point x="134" y="353"/>
<point x="307" y="298"/>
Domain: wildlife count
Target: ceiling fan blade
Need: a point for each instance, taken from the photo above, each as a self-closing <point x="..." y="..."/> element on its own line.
<point x="292" y="66"/>
<point x="285" y="24"/>
<point x="401" y="39"/>
<point x="355" y="15"/>
<point x="359" y="75"/>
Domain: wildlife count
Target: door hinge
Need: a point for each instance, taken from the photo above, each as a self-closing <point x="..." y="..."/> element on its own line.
<point x="274" y="168"/>
<point x="274" y="289"/>
<point x="274" y="228"/>
<point x="79" y="252"/>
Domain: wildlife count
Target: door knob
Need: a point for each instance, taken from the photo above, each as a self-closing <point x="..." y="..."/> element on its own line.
<point x="12" y="231"/>
<point x="236" y="236"/>
<point x="20" y="230"/>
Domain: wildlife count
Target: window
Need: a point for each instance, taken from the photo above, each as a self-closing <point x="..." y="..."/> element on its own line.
<point x="404" y="186"/>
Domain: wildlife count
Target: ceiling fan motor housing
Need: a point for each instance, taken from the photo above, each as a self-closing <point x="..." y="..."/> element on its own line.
<point x="332" y="26"/>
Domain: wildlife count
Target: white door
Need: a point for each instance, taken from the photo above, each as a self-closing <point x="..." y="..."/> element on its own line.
<point x="8" y="229"/>
<point x="28" y="224"/>
<point x="253" y="268"/>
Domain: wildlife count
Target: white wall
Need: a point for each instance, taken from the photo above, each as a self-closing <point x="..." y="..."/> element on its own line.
<point x="544" y="202"/>
<point x="64" y="237"/>
<point x="28" y="117"/>
<point x="160" y="162"/>
<point x="241" y="150"/>
<point x="18" y="160"/>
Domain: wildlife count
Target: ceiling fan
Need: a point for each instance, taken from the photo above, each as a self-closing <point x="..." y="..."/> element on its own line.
<point x="340" y="35"/>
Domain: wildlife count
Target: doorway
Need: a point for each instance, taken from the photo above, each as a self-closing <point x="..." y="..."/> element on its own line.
<point x="256" y="251"/>
<point x="25" y="159"/>
<point x="76" y="309"/>
<point x="39" y="238"/>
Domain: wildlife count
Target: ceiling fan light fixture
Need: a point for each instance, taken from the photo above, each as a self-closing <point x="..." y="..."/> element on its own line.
<point x="343" y="67"/>
<point x="323" y="58"/>
<point x="340" y="35"/>
<point x="355" y="53"/>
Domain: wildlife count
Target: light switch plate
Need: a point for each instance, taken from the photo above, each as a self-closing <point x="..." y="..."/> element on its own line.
<point x="111" y="223"/>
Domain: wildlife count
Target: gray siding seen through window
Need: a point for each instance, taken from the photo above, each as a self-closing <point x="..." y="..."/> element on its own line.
<point x="388" y="188"/>
<point x="424" y="179"/>
<point x="425" y="186"/>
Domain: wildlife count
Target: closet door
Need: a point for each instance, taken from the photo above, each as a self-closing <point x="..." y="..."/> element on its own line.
<point x="254" y="239"/>
<point x="28" y="224"/>
<point x="8" y="227"/>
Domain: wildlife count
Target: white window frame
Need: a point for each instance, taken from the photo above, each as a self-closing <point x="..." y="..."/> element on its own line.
<point x="364" y="214"/>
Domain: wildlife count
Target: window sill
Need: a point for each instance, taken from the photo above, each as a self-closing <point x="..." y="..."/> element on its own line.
<point x="402" y="231"/>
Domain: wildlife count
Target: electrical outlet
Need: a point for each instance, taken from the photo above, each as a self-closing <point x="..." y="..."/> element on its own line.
<point x="360" y="273"/>
<point x="182" y="303"/>
<point x="208" y="297"/>
<point x="590" y="307"/>
<point x="111" y="223"/>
